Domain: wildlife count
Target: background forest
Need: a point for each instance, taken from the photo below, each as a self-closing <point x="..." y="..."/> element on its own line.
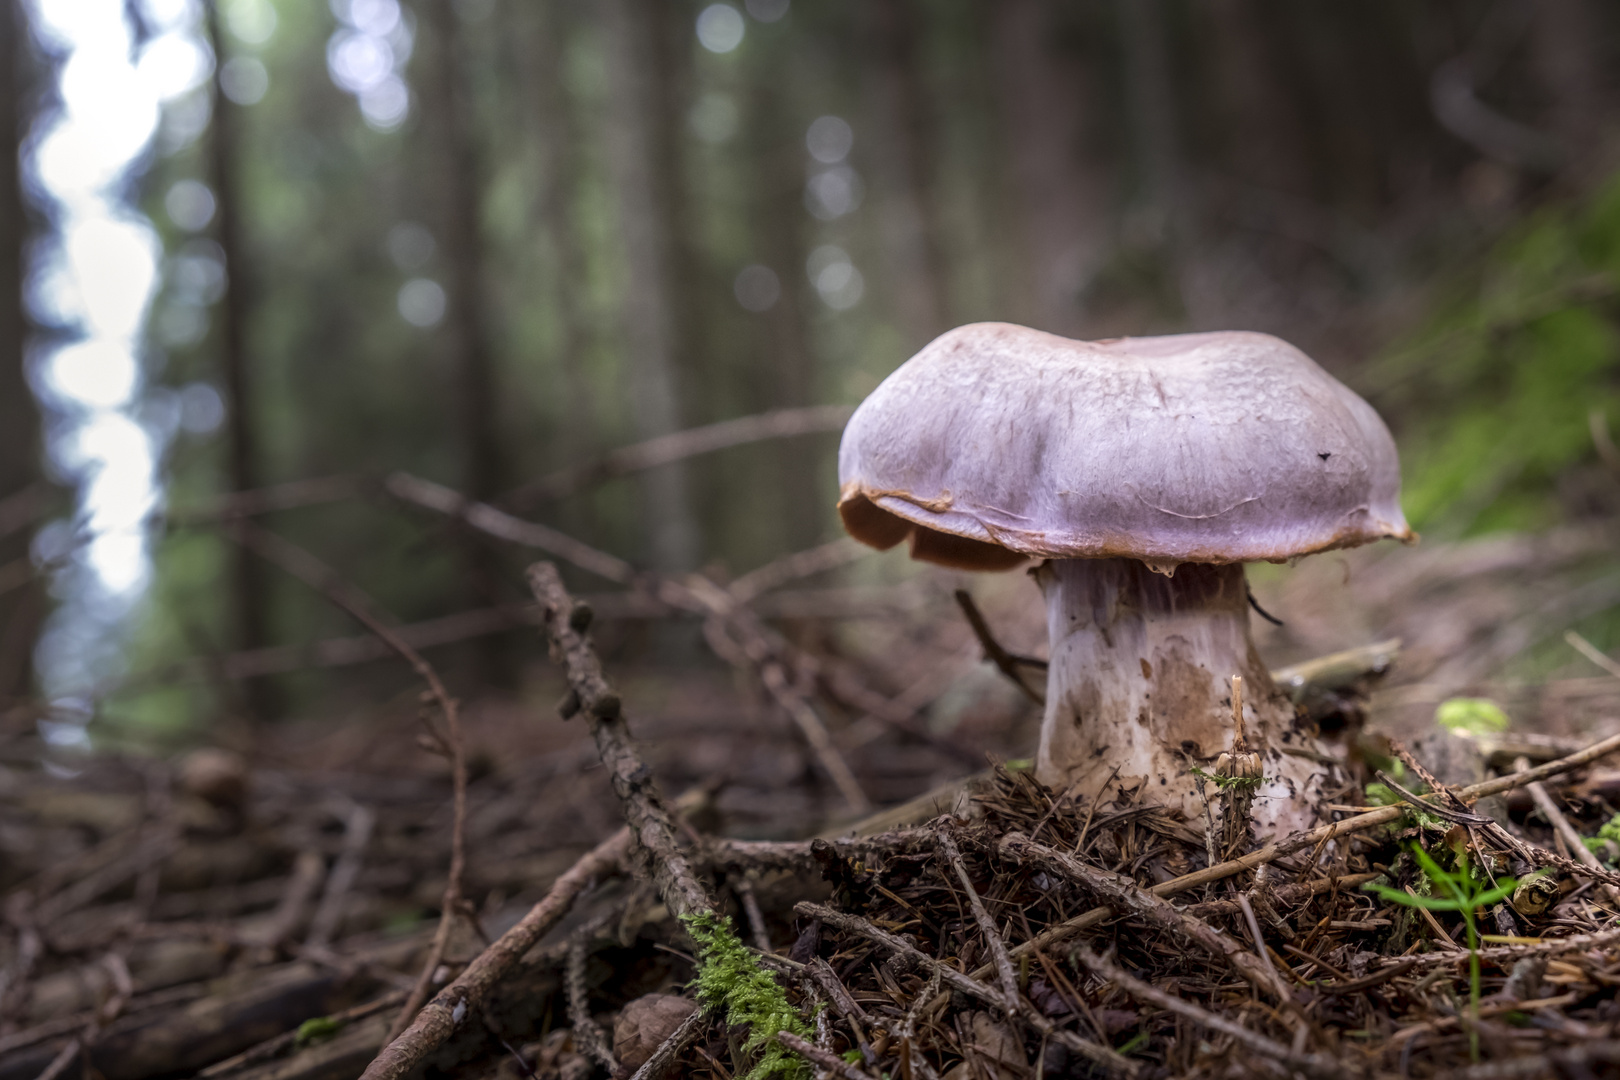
<point x="485" y="242"/>
<point x="321" y="321"/>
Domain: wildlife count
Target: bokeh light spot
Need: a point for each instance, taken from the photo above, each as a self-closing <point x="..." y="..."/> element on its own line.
<point x="190" y="204"/>
<point x="410" y="246"/>
<point x="837" y="281"/>
<point x="720" y="28"/>
<point x="757" y="288"/>
<point x="245" y="80"/>
<point x="252" y="22"/>
<point x="829" y="139"/>
<point x="422" y="302"/>
<point x="98" y="373"/>
<point x="834" y="192"/>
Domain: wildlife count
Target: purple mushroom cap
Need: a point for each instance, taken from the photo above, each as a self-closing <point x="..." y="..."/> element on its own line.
<point x="996" y="443"/>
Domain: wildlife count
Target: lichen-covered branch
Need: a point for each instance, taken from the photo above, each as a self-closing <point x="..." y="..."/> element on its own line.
<point x="652" y="826"/>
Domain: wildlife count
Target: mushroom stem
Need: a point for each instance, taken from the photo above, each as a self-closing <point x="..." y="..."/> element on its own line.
<point x="1139" y="681"/>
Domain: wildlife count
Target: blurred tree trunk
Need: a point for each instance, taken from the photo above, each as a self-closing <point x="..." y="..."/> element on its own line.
<point x="776" y="153"/>
<point x="902" y="153"/>
<point x="249" y="582"/>
<point x="645" y="194"/>
<point x="21" y="486"/>
<point x="452" y="121"/>
<point x="557" y="134"/>
<point x="1150" y="98"/>
<point x="1265" y="144"/>
<point x="1568" y="57"/>
<point x="1059" y="198"/>
<point x="1164" y="214"/>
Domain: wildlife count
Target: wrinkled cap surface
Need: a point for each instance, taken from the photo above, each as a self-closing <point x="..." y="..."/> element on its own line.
<point x="997" y="442"/>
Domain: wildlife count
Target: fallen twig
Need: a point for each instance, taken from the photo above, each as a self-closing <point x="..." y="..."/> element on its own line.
<point x="1100" y="1055"/>
<point x="464" y="997"/>
<point x="814" y="1054"/>
<point x="1315" y="1064"/>
<point x="588" y="1037"/>
<point x="310" y="570"/>
<point x="1312" y="839"/>
<point x="671" y="1048"/>
<point x="652" y="827"/>
<point x="765" y="651"/>
<point x="1592" y="653"/>
<point x="1125" y="893"/>
<point x="987" y="925"/>
<point x="1005" y="661"/>
<point x="667" y="449"/>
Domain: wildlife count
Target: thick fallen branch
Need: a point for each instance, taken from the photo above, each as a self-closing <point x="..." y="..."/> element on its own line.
<point x="465" y="997"/>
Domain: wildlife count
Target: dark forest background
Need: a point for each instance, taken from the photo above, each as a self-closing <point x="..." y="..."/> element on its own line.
<point x="483" y="241"/>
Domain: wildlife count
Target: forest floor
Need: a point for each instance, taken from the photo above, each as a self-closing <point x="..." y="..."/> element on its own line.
<point x="270" y="910"/>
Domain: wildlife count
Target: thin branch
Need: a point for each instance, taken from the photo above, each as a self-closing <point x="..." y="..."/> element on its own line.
<point x="987" y="925"/>
<point x="799" y="564"/>
<point x="357" y="826"/>
<point x="1005" y="661"/>
<point x="486" y="518"/>
<point x="1122" y="892"/>
<point x="696" y="594"/>
<point x="672" y="1047"/>
<point x="315" y="491"/>
<point x="1592" y="653"/>
<point x="1607" y="451"/>
<point x="667" y="449"/>
<point x="1100" y="1055"/>
<point x="1310" y="840"/>
<point x="588" y="1037"/>
<point x="756" y="918"/>
<point x="1311" y="1064"/>
<point x="465" y="997"/>
<point x="1572" y="839"/>
<point x="825" y="1059"/>
<point x="316" y="574"/>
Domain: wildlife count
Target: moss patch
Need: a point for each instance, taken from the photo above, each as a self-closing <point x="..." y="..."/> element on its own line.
<point x="730" y="978"/>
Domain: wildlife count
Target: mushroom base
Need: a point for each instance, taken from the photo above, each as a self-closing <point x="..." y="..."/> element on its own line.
<point x="1140" y="682"/>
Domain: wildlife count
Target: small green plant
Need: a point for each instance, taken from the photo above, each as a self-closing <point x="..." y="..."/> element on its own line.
<point x="1457" y="892"/>
<point x="730" y="978"/>
<point x="1224" y="782"/>
<point x="1384" y="795"/>
<point x="317" y="1029"/>
<point x="1133" y="1044"/>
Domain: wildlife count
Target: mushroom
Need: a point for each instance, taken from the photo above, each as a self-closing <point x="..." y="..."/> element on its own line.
<point x="1144" y="472"/>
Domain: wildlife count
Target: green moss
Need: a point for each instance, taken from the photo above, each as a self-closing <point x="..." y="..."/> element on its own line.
<point x="730" y="978"/>
<point x="1471" y="716"/>
<point x="1599" y="844"/>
